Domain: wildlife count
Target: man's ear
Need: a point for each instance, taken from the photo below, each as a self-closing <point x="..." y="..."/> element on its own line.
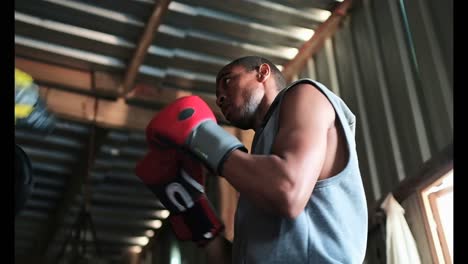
<point x="264" y="72"/>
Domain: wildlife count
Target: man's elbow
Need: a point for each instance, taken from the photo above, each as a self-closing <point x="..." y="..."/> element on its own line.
<point x="292" y="211"/>
<point x="290" y="198"/>
<point x="290" y="205"/>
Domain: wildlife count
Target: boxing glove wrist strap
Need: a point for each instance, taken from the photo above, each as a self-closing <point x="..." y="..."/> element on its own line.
<point x="212" y="144"/>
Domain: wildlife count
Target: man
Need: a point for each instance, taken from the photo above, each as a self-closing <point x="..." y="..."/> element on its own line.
<point x="301" y="194"/>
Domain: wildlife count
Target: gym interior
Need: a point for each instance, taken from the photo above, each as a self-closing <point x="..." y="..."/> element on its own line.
<point x="90" y="75"/>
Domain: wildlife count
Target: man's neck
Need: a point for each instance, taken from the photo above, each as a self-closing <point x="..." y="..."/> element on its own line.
<point x="263" y="109"/>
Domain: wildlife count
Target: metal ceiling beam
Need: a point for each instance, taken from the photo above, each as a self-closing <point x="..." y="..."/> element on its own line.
<point x="154" y="21"/>
<point x="324" y="31"/>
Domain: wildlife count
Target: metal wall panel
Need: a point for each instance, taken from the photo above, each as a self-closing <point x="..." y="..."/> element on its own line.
<point x="439" y="17"/>
<point x="394" y="69"/>
<point x="322" y="69"/>
<point x="433" y="55"/>
<point x="411" y="138"/>
<point x="390" y="77"/>
<point x="351" y="89"/>
<point x="374" y="89"/>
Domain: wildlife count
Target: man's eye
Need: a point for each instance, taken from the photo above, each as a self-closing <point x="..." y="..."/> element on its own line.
<point x="227" y="80"/>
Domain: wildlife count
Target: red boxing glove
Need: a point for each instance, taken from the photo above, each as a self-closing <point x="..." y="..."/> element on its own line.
<point x="178" y="182"/>
<point x="188" y="122"/>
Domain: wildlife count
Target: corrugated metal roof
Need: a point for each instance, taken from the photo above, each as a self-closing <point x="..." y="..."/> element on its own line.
<point x="53" y="158"/>
<point x="193" y="41"/>
<point x="122" y="209"/>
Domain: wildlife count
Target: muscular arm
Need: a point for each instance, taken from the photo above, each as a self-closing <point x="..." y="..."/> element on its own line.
<point x="283" y="181"/>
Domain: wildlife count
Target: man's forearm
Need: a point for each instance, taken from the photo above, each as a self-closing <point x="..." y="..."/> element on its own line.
<point x="261" y="178"/>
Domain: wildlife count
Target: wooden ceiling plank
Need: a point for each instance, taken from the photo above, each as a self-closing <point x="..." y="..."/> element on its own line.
<point x="106" y="83"/>
<point x="111" y="113"/>
<point x="118" y="114"/>
<point x="70" y="105"/>
<point x="54" y="74"/>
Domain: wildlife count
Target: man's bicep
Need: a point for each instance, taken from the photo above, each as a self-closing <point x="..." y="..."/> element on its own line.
<point x="305" y="118"/>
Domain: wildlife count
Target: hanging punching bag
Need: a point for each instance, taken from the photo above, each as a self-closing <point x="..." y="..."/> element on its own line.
<point x="30" y="109"/>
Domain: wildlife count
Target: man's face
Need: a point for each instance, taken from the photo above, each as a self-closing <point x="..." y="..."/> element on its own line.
<point x="238" y="94"/>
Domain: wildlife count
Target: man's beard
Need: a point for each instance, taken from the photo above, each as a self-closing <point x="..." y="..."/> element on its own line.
<point x="247" y="113"/>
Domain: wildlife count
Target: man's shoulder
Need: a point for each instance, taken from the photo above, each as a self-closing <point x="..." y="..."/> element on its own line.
<point x="305" y="89"/>
<point x="311" y="85"/>
<point x="304" y="101"/>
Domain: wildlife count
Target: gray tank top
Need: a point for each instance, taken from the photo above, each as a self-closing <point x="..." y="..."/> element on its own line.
<point x="333" y="226"/>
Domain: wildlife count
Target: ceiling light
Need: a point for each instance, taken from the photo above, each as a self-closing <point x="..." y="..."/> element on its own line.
<point x="135" y="249"/>
<point x="141" y="241"/>
<point x="164" y="214"/>
<point x="155" y="224"/>
<point x="149" y="233"/>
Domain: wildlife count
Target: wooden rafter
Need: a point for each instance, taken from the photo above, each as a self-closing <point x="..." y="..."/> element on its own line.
<point x="324" y="31"/>
<point x="152" y="25"/>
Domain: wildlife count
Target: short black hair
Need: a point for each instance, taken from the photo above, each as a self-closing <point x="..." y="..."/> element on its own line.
<point x="251" y="63"/>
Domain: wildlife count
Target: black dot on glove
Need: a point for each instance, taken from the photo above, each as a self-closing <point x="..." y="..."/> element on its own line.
<point x="186" y="113"/>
